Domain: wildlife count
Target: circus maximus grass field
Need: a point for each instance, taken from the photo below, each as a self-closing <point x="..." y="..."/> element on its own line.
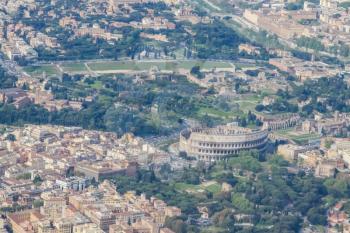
<point x="110" y="67"/>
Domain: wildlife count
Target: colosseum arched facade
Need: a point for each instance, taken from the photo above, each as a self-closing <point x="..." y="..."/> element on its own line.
<point x="214" y="144"/>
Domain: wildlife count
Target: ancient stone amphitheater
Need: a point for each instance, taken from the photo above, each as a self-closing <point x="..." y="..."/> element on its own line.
<point x="213" y="144"/>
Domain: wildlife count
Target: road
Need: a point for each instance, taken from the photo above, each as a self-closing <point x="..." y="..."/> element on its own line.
<point x="212" y="5"/>
<point x="159" y="140"/>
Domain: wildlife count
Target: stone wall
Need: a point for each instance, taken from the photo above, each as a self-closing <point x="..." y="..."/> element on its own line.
<point x="220" y="142"/>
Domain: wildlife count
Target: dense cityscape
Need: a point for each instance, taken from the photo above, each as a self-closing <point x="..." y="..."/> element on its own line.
<point x="174" y="116"/>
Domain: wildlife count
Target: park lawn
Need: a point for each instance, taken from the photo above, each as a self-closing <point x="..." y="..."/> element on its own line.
<point x="246" y="105"/>
<point x="184" y="64"/>
<point x="298" y="138"/>
<point x="305" y="138"/>
<point x="102" y="66"/>
<point x="216" y="174"/>
<point x="185" y="186"/>
<point x="161" y="65"/>
<point x="79" y="67"/>
<point x="218" y="170"/>
<point x="214" y="188"/>
<point x="207" y="65"/>
<point x="74" y="67"/>
<point x="205" y="5"/>
<point x="268" y="92"/>
<point x="131" y="65"/>
<point x="187" y="65"/>
<point x="285" y="132"/>
<point x="252" y="98"/>
<point x="242" y="65"/>
<point x="97" y="85"/>
<point x="214" y="112"/>
<point x="216" y="64"/>
<point x="213" y="229"/>
<point x="103" y="99"/>
<point x="49" y="70"/>
<point x="179" y="53"/>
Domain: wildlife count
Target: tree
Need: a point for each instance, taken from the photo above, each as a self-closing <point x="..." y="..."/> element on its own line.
<point x="245" y="163"/>
<point x="196" y="71"/>
<point x="211" y="90"/>
<point x="344" y="50"/>
<point x="176" y="224"/>
<point x="37" y="203"/>
<point x="259" y="107"/>
<point x="207" y="121"/>
<point x="190" y="176"/>
<point x="25" y="87"/>
<point x="241" y="203"/>
<point x="25" y="176"/>
<point x="220" y="218"/>
<point x="312" y="43"/>
<point x="121" y="119"/>
<point x="37" y="180"/>
<point x="6" y="80"/>
<point x="317" y="216"/>
<point x="11" y="137"/>
<point x="293" y="6"/>
<point x="328" y="143"/>
<point x="287" y="224"/>
<point x="243" y="122"/>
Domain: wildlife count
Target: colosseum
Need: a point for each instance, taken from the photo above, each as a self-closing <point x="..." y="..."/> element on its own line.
<point x="213" y="144"/>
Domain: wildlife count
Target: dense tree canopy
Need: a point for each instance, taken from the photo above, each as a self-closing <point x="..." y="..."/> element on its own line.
<point x="6" y="80"/>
